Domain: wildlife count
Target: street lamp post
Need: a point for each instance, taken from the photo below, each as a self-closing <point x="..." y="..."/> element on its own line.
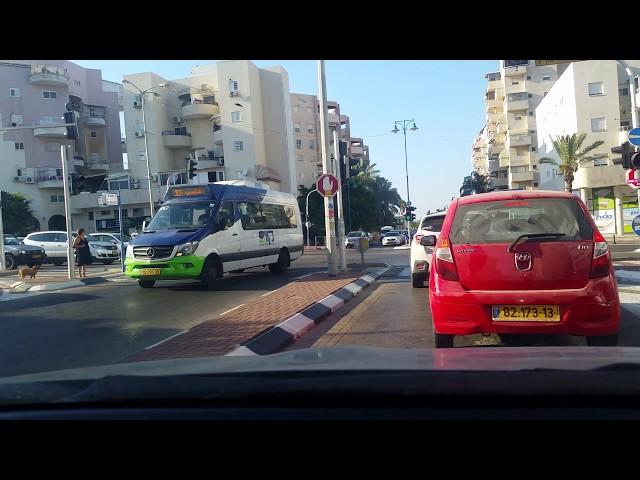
<point x="404" y="124"/>
<point x="144" y="127"/>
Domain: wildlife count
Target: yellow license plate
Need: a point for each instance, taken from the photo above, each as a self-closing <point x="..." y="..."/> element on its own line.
<point x="525" y="313"/>
<point x="150" y="271"/>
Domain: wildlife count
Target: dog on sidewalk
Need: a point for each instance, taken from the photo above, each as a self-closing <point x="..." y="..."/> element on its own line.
<point x="26" y="271"/>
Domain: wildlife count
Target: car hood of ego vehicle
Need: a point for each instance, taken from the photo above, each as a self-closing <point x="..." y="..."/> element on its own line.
<point x="336" y="370"/>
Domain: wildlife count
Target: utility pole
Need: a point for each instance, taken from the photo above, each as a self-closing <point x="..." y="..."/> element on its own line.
<point x="342" y="258"/>
<point x="2" y="264"/>
<point x="326" y="168"/>
<point x="404" y="124"/>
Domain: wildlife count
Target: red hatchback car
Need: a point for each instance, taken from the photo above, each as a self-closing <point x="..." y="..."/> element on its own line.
<point x="522" y="262"/>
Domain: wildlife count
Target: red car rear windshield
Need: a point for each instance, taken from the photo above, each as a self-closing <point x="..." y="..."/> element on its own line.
<point x="504" y="221"/>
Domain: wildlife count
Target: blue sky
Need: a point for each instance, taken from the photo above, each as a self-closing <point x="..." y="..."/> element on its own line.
<point x="446" y="99"/>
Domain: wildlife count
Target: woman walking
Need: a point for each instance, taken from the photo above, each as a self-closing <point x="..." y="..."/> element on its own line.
<point x="83" y="254"/>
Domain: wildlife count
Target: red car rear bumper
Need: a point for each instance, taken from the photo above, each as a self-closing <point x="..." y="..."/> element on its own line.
<point x="593" y="310"/>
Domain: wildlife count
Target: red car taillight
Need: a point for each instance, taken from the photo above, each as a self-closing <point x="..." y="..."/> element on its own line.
<point x="445" y="266"/>
<point x="601" y="263"/>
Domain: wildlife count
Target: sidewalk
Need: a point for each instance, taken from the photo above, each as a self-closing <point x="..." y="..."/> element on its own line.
<point x="56" y="280"/>
<point x="244" y="323"/>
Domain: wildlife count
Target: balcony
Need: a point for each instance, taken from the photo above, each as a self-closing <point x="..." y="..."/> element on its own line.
<point x="518" y="140"/>
<point x="500" y="182"/>
<point x="504" y="159"/>
<point x="357" y="150"/>
<point x="494" y="117"/>
<point x="95" y="121"/>
<point x="515" y="105"/>
<point x="520" y="87"/>
<point x="196" y="110"/>
<point x="519" y="160"/>
<point x="50" y="132"/>
<point x="95" y="162"/>
<point x="49" y="75"/>
<point x="515" y="70"/>
<point x="49" y="178"/>
<point x="333" y="119"/>
<point x="520" y="177"/>
<point x="492" y="103"/>
<point x="176" y="139"/>
<point x="494" y="80"/>
<point x="594" y="177"/>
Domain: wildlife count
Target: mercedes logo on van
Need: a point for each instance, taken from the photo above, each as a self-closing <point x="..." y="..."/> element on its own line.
<point x="150" y="252"/>
<point x="523" y="261"/>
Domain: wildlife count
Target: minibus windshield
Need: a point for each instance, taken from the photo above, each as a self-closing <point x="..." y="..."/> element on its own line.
<point x="182" y="215"/>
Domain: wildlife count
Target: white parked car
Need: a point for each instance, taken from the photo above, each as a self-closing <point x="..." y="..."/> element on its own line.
<point x="55" y="246"/>
<point x="421" y="256"/>
<point x="110" y="238"/>
<point x="352" y="239"/>
<point x="393" y="237"/>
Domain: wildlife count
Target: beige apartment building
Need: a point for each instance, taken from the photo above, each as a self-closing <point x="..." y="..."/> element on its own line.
<point x="591" y="97"/>
<point x="307" y="143"/>
<point x="231" y="117"/>
<point x="507" y="147"/>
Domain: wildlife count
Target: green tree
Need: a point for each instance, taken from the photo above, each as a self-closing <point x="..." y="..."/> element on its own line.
<point x="17" y="217"/>
<point x="572" y="155"/>
<point x="368" y="170"/>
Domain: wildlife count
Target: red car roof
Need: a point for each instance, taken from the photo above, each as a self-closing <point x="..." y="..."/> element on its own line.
<point x="513" y="194"/>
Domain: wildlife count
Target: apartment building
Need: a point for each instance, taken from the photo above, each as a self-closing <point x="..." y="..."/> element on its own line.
<point x="591" y="97"/>
<point x="512" y="95"/>
<point x="308" y="146"/>
<point x="231" y="117"/>
<point x="36" y="92"/>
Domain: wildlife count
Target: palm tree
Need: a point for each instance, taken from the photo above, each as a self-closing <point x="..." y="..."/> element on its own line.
<point x="572" y="155"/>
<point x="369" y="170"/>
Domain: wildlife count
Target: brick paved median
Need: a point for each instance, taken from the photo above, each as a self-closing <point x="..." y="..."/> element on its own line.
<point x="226" y="332"/>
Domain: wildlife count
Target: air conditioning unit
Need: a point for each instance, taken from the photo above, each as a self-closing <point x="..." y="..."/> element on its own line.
<point x="234" y="93"/>
<point x="29" y="180"/>
<point x="16" y="179"/>
<point x="139" y="134"/>
<point x="137" y="104"/>
<point x="221" y="161"/>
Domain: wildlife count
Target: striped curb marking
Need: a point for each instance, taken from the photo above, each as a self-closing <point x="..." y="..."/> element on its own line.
<point x="294" y="327"/>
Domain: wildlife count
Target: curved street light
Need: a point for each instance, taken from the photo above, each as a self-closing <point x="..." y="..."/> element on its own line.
<point x="404" y="124"/>
<point x="144" y="127"/>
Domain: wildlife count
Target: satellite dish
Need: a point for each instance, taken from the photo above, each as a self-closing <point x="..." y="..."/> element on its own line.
<point x="244" y="172"/>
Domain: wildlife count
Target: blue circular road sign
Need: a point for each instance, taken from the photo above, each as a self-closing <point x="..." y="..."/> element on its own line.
<point x="636" y="225"/>
<point x="634" y="137"/>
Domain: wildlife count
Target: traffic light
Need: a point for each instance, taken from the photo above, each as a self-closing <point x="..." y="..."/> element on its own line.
<point x="192" y="169"/>
<point x="72" y="131"/>
<point x="413" y="217"/>
<point x="625" y="160"/>
<point x="635" y="160"/>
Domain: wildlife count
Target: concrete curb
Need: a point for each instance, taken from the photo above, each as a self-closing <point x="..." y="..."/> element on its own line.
<point x="22" y="287"/>
<point x="299" y="324"/>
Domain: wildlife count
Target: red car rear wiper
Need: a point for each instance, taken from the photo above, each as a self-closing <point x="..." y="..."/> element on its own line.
<point x="534" y="235"/>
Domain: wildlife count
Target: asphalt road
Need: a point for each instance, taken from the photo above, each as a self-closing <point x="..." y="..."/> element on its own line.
<point x="109" y="322"/>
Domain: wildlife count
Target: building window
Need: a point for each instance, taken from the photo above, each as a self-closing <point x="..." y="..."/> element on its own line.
<point x="236" y="117"/>
<point x="14" y="92"/>
<point x="310" y="129"/>
<point x="94" y="134"/>
<point x="211" y="176"/>
<point x="600" y="161"/>
<point x="535" y="184"/>
<point x="138" y="212"/>
<point x="598" y="124"/>
<point x="16" y="120"/>
<point x="57" y="198"/>
<point x="624" y="92"/>
<point x="528" y="77"/>
<point x="531" y="114"/>
<point x="596" y="88"/>
<point x="233" y="85"/>
<point x="297" y="127"/>
<point x="105" y="213"/>
<point x="125" y="213"/>
<point x="529" y="95"/>
<point x="533" y="149"/>
<point x="517" y="118"/>
<point x="515" y="83"/>
<point x="546" y="76"/>
<point x="18" y="145"/>
<point x="312" y="144"/>
<point x="90" y="216"/>
<point x="92" y="111"/>
<point x="535" y="167"/>
<point x="298" y="143"/>
<point x="221" y="176"/>
<point x="624" y="124"/>
<point x="50" y="94"/>
<point x="141" y="156"/>
<point x="53" y="147"/>
<point x="76" y="83"/>
<point x="300" y="157"/>
<point x="238" y="146"/>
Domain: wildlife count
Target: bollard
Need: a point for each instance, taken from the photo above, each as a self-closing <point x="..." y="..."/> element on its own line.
<point x="361" y="245"/>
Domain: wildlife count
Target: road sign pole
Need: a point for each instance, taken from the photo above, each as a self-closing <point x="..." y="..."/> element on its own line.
<point x="342" y="257"/>
<point x="71" y="267"/>
<point x="326" y="168"/>
<point x="122" y="251"/>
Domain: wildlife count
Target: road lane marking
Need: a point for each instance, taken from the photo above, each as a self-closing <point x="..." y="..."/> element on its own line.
<point x="168" y="338"/>
<point x="231" y="309"/>
<point x="268" y="293"/>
